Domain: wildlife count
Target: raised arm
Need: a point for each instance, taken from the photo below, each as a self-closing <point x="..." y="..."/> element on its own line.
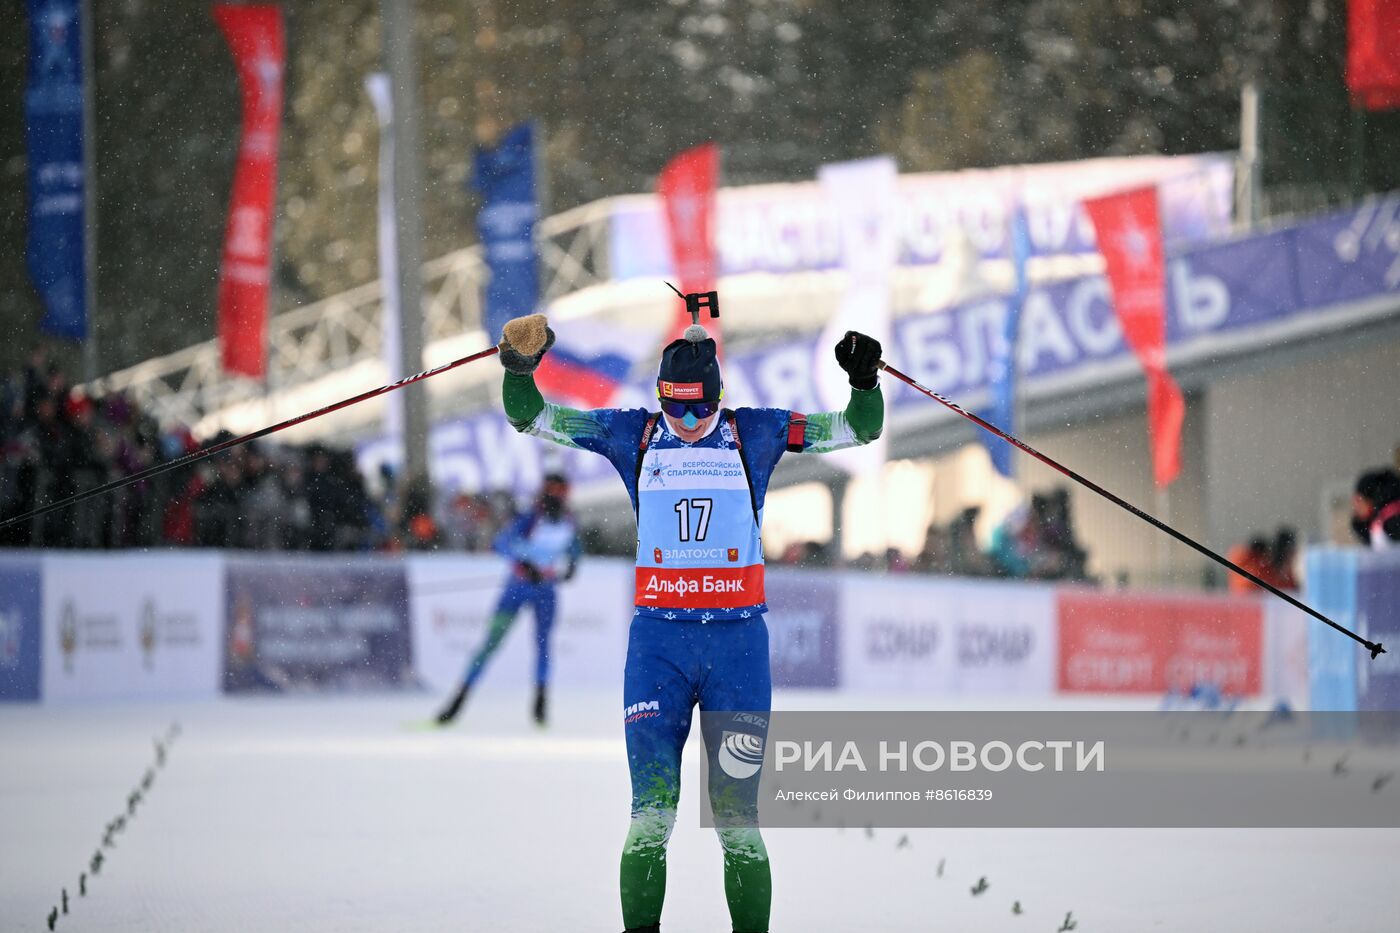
<point x="528" y="412"/>
<point x="608" y="431"/>
<point x="864" y="416"/>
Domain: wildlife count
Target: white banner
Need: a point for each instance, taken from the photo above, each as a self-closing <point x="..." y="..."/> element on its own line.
<point x="864" y="198"/>
<point x="783" y="228"/>
<point x="132" y="626"/>
<point x="452" y="598"/>
<point x="942" y="638"/>
<point x="1286" y="653"/>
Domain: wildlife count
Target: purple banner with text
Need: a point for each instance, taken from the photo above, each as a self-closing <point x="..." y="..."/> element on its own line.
<point x="306" y="625"/>
<point x="802" y="628"/>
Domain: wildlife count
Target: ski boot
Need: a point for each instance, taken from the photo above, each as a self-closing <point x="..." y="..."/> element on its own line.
<point x="540" y="706"/>
<point x="453" y="707"/>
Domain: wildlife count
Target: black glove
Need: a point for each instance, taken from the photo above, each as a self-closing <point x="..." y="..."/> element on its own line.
<point x="859" y="355"/>
<point x="516" y="362"/>
<point x="532" y="573"/>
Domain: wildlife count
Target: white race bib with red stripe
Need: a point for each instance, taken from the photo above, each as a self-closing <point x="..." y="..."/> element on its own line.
<point x="698" y="548"/>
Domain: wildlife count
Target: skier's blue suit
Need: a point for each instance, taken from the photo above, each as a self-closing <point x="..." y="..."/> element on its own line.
<point x="549" y="546"/>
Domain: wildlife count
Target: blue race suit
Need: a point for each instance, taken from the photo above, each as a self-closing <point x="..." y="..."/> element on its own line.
<point x="697" y="634"/>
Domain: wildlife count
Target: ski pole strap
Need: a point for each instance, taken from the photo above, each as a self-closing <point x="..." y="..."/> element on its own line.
<point x="797" y="432"/>
<point x="734" y="429"/>
<point x="642" y="446"/>
<point x="648" y="431"/>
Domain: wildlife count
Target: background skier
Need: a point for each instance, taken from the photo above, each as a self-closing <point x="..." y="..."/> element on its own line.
<point x="543" y="546"/>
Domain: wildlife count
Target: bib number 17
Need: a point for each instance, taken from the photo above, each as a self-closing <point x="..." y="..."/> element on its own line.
<point x="700" y="506"/>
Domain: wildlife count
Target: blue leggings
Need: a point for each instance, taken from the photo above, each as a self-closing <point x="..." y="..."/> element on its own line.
<point x="671" y="667"/>
<point x="518" y="593"/>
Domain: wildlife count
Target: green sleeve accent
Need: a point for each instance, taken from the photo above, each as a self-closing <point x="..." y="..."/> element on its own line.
<point x="866" y="413"/>
<point x="522" y="400"/>
<point x="860" y="423"/>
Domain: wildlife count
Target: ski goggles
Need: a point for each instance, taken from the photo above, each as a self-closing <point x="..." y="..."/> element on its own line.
<point x="677" y="409"/>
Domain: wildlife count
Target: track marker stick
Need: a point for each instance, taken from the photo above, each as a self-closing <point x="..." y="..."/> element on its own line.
<point x="1374" y="647"/>
<point x="207" y="452"/>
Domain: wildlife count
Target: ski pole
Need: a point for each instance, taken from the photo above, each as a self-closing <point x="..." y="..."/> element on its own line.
<point x="1374" y="647"/>
<point x="206" y="452"/>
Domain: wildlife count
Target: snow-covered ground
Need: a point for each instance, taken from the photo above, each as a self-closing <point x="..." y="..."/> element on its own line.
<point x="334" y="813"/>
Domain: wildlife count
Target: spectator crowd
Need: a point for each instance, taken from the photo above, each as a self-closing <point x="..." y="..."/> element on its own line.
<point x="1034" y="542"/>
<point x="1374" y="520"/>
<point x="55" y="442"/>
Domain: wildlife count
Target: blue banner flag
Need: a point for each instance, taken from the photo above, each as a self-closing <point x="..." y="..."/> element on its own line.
<point x="505" y="178"/>
<point x="53" y="117"/>
<point x="1001" y="367"/>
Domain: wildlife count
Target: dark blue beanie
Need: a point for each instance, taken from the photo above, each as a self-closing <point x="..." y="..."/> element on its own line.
<point x="690" y="370"/>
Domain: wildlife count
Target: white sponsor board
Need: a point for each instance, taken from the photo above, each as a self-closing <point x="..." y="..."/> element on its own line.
<point x="1286" y="653"/>
<point x="451" y="601"/>
<point x="917" y="635"/>
<point x="138" y="626"/>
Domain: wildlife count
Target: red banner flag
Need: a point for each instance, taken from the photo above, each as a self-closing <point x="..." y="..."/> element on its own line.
<point x="1373" y="53"/>
<point x="255" y="36"/>
<point x="1129" y="232"/>
<point x="687" y="187"/>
